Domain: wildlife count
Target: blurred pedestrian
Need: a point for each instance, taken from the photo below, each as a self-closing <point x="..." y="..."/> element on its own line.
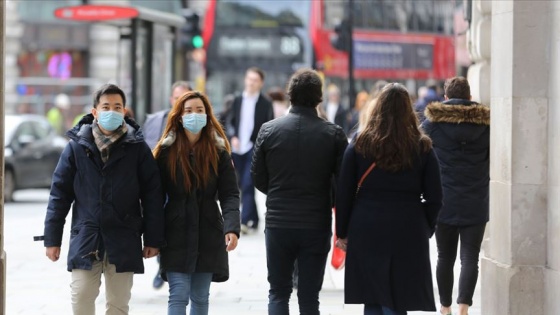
<point x="297" y="157"/>
<point x="109" y="177"/>
<point x="359" y="105"/>
<point x="56" y="115"/>
<point x="460" y="131"/>
<point x="425" y="97"/>
<point x="388" y="198"/>
<point x="195" y="166"/>
<point x="280" y="104"/>
<point x="335" y="111"/>
<point x="249" y="111"/>
<point x="153" y="127"/>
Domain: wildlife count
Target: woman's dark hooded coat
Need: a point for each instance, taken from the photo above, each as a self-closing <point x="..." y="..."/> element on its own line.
<point x="195" y="228"/>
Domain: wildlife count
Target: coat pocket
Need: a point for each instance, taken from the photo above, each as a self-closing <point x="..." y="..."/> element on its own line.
<point x="84" y="245"/>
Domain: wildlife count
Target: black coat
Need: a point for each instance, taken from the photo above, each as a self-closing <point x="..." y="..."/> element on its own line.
<point x="195" y="228"/>
<point x="460" y="131"/>
<point x="388" y="229"/>
<point x="114" y="203"/>
<point x="295" y="161"/>
<point x="263" y="113"/>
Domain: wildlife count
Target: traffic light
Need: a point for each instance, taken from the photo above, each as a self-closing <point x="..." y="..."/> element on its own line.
<point x="342" y="39"/>
<point x="190" y="33"/>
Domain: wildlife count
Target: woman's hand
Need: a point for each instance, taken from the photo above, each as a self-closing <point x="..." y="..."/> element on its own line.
<point x="231" y="241"/>
<point x="342" y="243"/>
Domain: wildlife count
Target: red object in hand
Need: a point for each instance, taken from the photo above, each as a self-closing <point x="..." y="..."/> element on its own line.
<point x="338" y="257"/>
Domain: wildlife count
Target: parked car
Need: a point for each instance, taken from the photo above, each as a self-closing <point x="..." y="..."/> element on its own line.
<point x="31" y="152"/>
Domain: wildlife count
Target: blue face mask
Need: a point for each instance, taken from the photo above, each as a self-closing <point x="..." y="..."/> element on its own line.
<point x="194" y="122"/>
<point x="110" y="120"/>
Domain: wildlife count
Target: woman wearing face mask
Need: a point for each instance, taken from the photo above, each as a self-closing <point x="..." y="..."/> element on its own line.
<point x="195" y="166"/>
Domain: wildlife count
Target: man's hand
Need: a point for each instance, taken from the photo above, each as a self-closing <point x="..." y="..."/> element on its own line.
<point x="53" y="253"/>
<point x="231" y="241"/>
<point x="235" y="143"/>
<point x="150" y="252"/>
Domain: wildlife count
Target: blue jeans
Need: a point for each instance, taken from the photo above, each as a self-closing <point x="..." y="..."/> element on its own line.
<point x="376" y="309"/>
<point x="283" y="247"/>
<point x="242" y="164"/>
<point x="185" y="286"/>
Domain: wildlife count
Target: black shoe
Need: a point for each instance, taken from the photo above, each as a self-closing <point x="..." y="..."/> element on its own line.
<point x="158" y="282"/>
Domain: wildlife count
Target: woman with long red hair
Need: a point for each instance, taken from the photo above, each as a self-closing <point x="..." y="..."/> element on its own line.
<point x="195" y="164"/>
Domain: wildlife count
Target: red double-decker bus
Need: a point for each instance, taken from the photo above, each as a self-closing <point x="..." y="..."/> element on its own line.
<point x="397" y="40"/>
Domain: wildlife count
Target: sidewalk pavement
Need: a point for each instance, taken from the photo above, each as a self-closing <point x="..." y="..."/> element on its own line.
<point x="37" y="286"/>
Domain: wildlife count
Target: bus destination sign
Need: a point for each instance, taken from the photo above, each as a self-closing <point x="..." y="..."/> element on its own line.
<point x="95" y="13"/>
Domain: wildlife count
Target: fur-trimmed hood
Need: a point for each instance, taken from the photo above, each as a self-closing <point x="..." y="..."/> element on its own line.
<point x="456" y="111"/>
<point x="170" y="139"/>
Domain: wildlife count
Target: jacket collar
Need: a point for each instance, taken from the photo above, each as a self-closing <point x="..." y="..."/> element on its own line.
<point x="83" y="130"/>
<point x="304" y="110"/>
<point x="171" y="137"/>
<point x="458" y="111"/>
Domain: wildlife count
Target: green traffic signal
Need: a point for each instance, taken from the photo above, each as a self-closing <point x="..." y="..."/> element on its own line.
<point x="197" y="41"/>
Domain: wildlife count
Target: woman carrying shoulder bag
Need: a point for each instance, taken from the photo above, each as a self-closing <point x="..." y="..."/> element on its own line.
<point x="388" y="198"/>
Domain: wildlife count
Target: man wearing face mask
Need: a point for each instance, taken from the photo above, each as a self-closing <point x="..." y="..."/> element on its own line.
<point x="109" y="174"/>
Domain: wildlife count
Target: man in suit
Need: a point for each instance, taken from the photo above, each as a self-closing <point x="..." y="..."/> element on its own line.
<point x="249" y="111"/>
<point x="336" y="113"/>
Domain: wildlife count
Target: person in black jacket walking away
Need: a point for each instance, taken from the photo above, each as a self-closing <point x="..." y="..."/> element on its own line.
<point x="296" y="158"/>
<point x="196" y="169"/>
<point x="460" y="131"/>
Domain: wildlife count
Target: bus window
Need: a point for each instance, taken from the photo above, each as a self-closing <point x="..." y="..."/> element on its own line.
<point x="260" y="14"/>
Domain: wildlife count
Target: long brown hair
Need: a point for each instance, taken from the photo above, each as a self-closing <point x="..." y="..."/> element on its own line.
<point x="392" y="136"/>
<point x="205" y="152"/>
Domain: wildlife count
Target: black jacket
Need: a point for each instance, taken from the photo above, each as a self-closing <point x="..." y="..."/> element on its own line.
<point x="113" y="203"/>
<point x="460" y="131"/>
<point x="263" y="113"/>
<point x="194" y="225"/>
<point x="296" y="158"/>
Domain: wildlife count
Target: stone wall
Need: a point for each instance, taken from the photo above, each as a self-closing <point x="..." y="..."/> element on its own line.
<point x="515" y="266"/>
<point x="552" y="271"/>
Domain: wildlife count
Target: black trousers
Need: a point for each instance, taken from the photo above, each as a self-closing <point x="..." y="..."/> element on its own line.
<point x="447" y="238"/>
<point x="283" y="247"/>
